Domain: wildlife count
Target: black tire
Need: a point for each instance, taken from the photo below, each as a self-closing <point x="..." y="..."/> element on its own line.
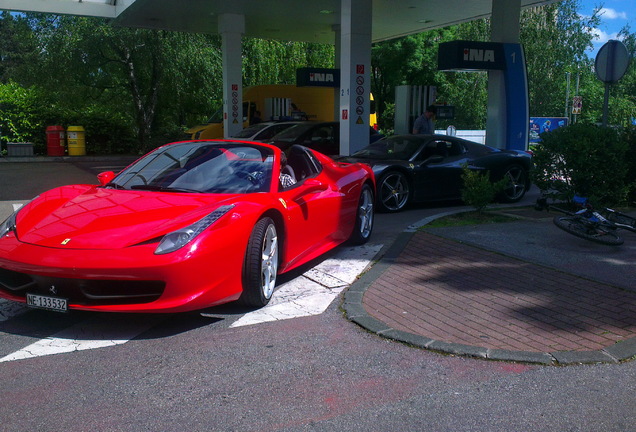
<point x="261" y="264"/>
<point x="517" y="184"/>
<point x="364" y="217"/>
<point x="394" y="192"/>
<point x="595" y="233"/>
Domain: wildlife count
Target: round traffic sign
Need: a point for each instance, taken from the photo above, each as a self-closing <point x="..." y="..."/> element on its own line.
<point x="611" y="62"/>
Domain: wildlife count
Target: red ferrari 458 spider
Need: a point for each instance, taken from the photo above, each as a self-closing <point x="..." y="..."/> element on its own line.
<point x="190" y="225"/>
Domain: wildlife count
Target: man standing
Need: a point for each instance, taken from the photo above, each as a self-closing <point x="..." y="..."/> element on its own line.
<point x="424" y="123"/>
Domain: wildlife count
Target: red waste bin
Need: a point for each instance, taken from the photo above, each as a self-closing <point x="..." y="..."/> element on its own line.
<point x="55" y="140"/>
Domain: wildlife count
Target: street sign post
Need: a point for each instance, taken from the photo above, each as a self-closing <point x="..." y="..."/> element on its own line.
<point x="611" y="64"/>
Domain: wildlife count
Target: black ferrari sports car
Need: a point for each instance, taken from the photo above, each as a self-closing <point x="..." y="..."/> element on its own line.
<point x="418" y="168"/>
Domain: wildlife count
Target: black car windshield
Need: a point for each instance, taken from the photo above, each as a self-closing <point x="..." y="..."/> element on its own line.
<point x="292" y="133"/>
<point x="201" y="168"/>
<point x="397" y="147"/>
<point x="250" y="131"/>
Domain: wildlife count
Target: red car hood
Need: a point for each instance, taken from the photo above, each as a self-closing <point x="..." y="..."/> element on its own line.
<point x="88" y="217"/>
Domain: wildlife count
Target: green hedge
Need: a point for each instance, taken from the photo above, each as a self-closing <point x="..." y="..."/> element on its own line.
<point x="19" y="120"/>
<point x="587" y="160"/>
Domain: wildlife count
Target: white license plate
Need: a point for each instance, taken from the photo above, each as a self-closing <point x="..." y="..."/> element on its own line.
<point x="49" y="303"/>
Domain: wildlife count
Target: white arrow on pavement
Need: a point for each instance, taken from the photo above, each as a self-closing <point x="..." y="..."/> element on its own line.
<point x="306" y="295"/>
<point x="98" y="332"/>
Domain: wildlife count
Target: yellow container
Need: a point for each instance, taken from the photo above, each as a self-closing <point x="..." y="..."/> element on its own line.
<point x="75" y="140"/>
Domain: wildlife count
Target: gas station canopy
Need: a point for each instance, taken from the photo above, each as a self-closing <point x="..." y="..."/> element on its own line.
<point x="293" y="20"/>
<point x="351" y="25"/>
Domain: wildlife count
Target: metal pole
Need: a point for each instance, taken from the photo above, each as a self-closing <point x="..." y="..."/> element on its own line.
<point x="567" y="93"/>
<point x="606" y="104"/>
<point x="578" y="77"/>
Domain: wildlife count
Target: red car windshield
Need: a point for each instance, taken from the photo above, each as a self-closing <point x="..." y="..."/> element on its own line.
<point x="200" y="167"/>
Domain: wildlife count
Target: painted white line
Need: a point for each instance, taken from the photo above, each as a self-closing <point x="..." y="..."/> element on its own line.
<point x="10" y="309"/>
<point x="95" y="333"/>
<point x="309" y="294"/>
<point x="313" y="292"/>
<point x="16" y="206"/>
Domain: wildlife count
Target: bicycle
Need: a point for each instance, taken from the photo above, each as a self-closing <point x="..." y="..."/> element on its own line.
<point x="599" y="226"/>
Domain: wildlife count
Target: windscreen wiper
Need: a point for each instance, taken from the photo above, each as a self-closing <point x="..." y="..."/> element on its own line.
<point x="112" y="185"/>
<point x="163" y="188"/>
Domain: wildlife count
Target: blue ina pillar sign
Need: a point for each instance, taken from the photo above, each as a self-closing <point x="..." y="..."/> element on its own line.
<point x="510" y="60"/>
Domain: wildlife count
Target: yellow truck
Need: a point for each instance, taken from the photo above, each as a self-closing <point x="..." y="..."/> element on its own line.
<point x="277" y="102"/>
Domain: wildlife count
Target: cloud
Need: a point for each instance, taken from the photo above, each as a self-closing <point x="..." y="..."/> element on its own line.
<point x="608" y="13"/>
<point x="601" y="37"/>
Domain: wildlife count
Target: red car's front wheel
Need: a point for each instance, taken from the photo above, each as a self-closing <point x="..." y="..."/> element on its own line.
<point x="261" y="264"/>
<point x="364" y="217"/>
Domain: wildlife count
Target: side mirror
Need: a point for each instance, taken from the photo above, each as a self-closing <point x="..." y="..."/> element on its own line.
<point x="105" y="177"/>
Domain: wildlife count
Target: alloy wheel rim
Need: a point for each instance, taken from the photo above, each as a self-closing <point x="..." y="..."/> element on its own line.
<point x="394" y="192"/>
<point x="269" y="261"/>
<point x="516" y="183"/>
<point x="365" y="212"/>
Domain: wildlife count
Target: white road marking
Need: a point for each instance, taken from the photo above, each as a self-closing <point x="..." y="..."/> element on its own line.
<point x="313" y="292"/>
<point x="309" y="294"/>
<point x="95" y="333"/>
<point x="16" y="206"/>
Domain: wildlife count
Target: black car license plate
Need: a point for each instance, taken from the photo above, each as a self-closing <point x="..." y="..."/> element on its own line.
<point x="56" y="304"/>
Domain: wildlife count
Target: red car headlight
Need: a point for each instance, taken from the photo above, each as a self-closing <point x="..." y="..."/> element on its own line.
<point x="177" y="239"/>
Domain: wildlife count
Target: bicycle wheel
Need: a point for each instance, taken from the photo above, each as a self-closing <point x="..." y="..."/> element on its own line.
<point x="592" y="232"/>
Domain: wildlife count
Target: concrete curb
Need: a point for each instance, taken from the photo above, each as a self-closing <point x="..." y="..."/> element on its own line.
<point x="355" y="312"/>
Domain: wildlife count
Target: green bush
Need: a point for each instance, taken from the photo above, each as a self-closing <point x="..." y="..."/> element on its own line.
<point x="582" y="159"/>
<point x="106" y="132"/>
<point x="478" y="191"/>
<point x="628" y="136"/>
<point x="25" y="113"/>
<point x="18" y="113"/>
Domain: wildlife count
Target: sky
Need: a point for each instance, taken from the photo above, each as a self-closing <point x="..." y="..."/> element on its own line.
<point x="614" y="16"/>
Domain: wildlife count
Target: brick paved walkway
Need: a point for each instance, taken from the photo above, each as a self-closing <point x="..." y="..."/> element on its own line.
<point x="452" y="292"/>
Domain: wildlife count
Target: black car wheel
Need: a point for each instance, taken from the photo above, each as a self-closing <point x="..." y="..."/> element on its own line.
<point x="516" y="185"/>
<point x="364" y="217"/>
<point x="261" y="264"/>
<point x="394" y="191"/>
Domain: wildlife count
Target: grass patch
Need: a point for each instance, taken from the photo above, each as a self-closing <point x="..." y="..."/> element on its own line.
<point x="469" y="218"/>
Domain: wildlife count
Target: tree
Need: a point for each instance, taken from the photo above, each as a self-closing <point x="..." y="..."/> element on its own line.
<point x="17" y="46"/>
<point x="623" y="93"/>
<point x="555" y="38"/>
<point x="96" y="73"/>
<point x="407" y="60"/>
<point x="275" y="62"/>
<point x="412" y="60"/>
<point x="144" y="86"/>
<point x="18" y="108"/>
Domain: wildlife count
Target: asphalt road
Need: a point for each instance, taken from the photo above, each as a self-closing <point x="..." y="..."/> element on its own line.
<point x="198" y="371"/>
